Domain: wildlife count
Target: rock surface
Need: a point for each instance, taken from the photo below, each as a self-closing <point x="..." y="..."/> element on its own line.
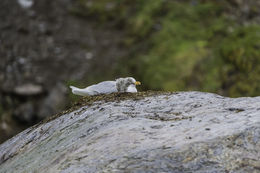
<point x="164" y="132"/>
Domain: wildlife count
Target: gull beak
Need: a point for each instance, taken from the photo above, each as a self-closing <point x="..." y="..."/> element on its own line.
<point x="137" y="83"/>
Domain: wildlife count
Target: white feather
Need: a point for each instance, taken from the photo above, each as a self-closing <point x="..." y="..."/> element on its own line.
<point x="131" y="89"/>
<point x="81" y="92"/>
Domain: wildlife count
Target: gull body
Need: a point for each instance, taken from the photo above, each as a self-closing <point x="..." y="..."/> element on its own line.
<point x="127" y="84"/>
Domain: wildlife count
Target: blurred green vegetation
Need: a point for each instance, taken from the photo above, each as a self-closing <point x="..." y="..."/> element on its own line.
<point x="183" y="45"/>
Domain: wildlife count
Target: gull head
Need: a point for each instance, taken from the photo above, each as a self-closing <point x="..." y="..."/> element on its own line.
<point x="127" y="84"/>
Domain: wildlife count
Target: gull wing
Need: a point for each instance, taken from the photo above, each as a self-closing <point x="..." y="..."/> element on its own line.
<point x="105" y="87"/>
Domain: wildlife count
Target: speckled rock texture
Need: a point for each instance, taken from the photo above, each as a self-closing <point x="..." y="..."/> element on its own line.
<point x="166" y="132"/>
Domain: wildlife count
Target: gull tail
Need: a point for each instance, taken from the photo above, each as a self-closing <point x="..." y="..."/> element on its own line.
<point x="78" y="91"/>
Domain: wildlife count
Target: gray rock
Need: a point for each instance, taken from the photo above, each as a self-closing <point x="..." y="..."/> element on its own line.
<point x="168" y="132"/>
<point x="28" y="89"/>
<point x="25" y="112"/>
<point x="54" y="102"/>
<point x="25" y="3"/>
